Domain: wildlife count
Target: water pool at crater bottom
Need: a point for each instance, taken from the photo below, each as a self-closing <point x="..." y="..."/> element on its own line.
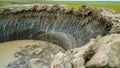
<point x="8" y="49"/>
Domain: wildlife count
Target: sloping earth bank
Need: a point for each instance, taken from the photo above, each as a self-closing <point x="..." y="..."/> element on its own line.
<point x="101" y="24"/>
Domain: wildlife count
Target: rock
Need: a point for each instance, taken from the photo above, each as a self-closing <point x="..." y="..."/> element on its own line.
<point x="61" y="60"/>
<point x="35" y="56"/>
<point x="78" y="63"/>
<point x="20" y="62"/>
<point x="107" y="53"/>
<point x="114" y="18"/>
<point x="98" y="53"/>
<point x="39" y="63"/>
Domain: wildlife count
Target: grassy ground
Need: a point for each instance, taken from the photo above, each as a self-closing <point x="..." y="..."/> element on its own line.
<point x="116" y="8"/>
<point x="69" y="4"/>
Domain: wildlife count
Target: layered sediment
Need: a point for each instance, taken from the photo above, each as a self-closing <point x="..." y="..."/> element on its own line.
<point x="71" y="29"/>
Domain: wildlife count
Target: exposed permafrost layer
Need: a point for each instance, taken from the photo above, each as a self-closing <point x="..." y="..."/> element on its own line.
<point x="69" y="28"/>
<point x="101" y="52"/>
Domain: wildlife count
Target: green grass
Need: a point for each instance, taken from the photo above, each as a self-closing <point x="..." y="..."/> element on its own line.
<point x="114" y="7"/>
<point x="3" y="3"/>
<point x="23" y="1"/>
<point x="66" y="2"/>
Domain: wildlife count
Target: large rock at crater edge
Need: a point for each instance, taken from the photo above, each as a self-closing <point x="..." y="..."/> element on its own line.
<point x="102" y="52"/>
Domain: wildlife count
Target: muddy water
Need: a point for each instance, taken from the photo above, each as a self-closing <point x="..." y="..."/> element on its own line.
<point x="7" y="50"/>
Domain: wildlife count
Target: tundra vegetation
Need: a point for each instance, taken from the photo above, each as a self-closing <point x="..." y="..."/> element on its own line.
<point x="68" y="4"/>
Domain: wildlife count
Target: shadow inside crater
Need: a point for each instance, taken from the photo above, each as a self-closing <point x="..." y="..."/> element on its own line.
<point x="68" y="33"/>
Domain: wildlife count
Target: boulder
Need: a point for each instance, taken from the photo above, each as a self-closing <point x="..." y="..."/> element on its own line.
<point x="61" y="60"/>
<point x="98" y="53"/>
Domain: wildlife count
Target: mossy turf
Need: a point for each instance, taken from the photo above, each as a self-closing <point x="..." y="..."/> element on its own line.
<point x="114" y="7"/>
